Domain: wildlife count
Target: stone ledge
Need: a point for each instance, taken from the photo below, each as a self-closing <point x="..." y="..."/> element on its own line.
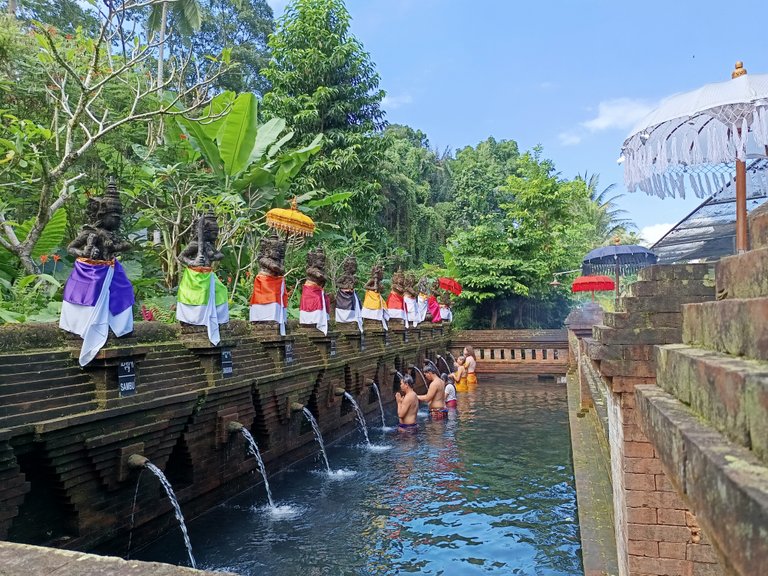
<point x="738" y="327"/>
<point x="655" y="288"/>
<point x="730" y="393"/>
<point x="743" y="275"/>
<point x="724" y="484"/>
<point x="26" y="560"/>
<point x="674" y="271"/>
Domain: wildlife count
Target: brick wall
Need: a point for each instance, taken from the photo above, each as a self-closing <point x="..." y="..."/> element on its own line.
<point x="657" y="535"/>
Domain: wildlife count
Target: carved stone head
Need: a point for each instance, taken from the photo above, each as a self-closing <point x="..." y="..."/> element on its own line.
<point x="210" y="227"/>
<point x="445" y="298"/>
<point x="348" y="278"/>
<point x="398" y="281"/>
<point x="422" y="285"/>
<point x="435" y="290"/>
<point x="410" y="285"/>
<point x="272" y="255"/>
<point x="377" y="275"/>
<point x="316" y="266"/>
<point x="106" y="212"/>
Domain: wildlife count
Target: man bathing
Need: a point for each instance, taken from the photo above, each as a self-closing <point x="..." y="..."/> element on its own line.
<point x="435" y="395"/>
<point x="407" y="404"/>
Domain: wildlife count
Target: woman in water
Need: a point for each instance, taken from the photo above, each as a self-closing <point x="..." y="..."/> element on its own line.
<point x="471" y="361"/>
<point x="460" y="375"/>
<point x="450" y="392"/>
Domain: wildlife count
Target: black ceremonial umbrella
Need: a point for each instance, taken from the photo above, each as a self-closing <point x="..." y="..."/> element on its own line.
<point x="617" y="258"/>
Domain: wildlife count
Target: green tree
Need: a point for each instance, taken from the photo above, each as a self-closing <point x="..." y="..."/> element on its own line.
<point x="413" y="182"/>
<point x="323" y="81"/>
<point x="64" y="15"/>
<point x="601" y="210"/>
<point x="93" y="88"/>
<point x="479" y="175"/>
<point x="511" y="253"/>
<point x="244" y="26"/>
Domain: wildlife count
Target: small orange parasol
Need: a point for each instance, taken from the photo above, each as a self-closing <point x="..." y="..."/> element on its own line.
<point x="291" y="220"/>
<point x="592" y="284"/>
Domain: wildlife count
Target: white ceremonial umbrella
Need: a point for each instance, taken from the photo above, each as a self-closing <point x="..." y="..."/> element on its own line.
<point x="715" y="124"/>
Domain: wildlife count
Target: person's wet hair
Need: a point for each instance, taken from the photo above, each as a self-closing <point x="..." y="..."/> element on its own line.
<point x="407" y="380"/>
<point x="469" y="351"/>
<point x="460" y="360"/>
<point x="429" y="367"/>
<point x="444" y="376"/>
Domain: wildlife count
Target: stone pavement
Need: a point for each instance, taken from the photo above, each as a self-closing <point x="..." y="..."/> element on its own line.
<point x="591" y="468"/>
<point x="25" y="560"/>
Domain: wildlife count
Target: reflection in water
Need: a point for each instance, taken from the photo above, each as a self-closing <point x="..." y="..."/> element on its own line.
<point x="488" y="491"/>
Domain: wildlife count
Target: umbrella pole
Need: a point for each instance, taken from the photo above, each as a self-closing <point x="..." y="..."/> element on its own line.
<point x="616" y="304"/>
<point x="741" y="207"/>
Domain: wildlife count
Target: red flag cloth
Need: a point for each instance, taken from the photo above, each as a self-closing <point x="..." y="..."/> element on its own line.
<point x="312" y="298"/>
<point x="266" y="290"/>
<point x="395" y="301"/>
<point x="592" y="284"/>
<point x="434" y="308"/>
<point x="450" y="284"/>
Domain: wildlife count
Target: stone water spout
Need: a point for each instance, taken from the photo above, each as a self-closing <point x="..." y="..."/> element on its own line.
<point x="137" y="461"/>
<point x="234" y="427"/>
<point x="339" y="391"/>
<point x="297" y="407"/>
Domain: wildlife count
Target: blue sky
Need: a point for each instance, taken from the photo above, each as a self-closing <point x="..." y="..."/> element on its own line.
<point x="573" y="76"/>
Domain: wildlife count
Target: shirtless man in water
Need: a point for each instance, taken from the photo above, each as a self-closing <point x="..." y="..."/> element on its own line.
<point x="435" y="395"/>
<point x="407" y="404"/>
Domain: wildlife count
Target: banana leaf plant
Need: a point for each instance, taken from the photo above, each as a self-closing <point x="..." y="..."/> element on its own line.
<point x="248" y="158"/>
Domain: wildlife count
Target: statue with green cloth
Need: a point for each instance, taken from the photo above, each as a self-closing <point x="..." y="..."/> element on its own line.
<point x="202" y="298"/>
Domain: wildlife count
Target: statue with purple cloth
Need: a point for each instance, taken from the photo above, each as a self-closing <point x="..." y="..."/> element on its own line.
<point x="98" y="295"/>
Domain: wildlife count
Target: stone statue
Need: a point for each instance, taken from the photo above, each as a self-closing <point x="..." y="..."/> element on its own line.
<point x="193" y="302"/>
<point x="410" y="285"/>
<point x="272" y="255"/>
<point x="348" y="307"/>
<point x="398" y="282"/>
<point x="202" y="250"/>
<point x="377" y="275"/>
<point x="98" y="295"/>
<point x="98" y="239"/>
<point x="316" y="266"/>
<point x="445" y="299"/>
<point x="422" y="285"/>
<point x="348" y="279"/>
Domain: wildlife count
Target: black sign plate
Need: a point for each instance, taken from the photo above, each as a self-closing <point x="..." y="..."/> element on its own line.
<point x="386" y="338"/>
<point x="227" y="367"/>
<point x="288" y="351"/>
<point x="332" y="348"/>
<point x="405" y="336"/>
<point x="126" y="378"/>
<point x="362" y="342"/>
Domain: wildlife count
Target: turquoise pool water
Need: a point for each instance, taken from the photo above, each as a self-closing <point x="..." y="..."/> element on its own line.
<point x="488" y="491"/>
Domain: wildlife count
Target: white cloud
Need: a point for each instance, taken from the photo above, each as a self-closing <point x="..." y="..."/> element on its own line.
<point x="653" y="233"/>
<point x="569" y="138"/>
<point x="393" y="102"/>
<point x="621" y="113"/>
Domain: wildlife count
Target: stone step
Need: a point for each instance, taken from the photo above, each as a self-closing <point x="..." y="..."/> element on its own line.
<point x="674" y="272"/>
<point x="743" y="275"/>
<point x="47" y="358"/>
<point x="654" y="288"/>
<point x="643" y="319"/>
<point x="758" y="227"/>
<point x="30" y="403"/>
<point x="38" y="416"/>
<point x="610" y="336"/>
<point x="41" y="387"/>
<point x="730" y="393"/>
<point x="723" y="482"/>
<point x="738" y="327"/>
<point x="660" y="303"/>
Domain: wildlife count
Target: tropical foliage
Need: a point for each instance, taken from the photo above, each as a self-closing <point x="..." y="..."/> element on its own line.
<point x="194" y="107"/>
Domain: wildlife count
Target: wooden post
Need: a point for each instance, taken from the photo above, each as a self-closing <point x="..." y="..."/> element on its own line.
<point x="741" y="207"/>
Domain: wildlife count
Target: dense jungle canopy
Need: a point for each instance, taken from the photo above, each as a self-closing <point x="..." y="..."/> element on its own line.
<point x="212" y="104"/>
